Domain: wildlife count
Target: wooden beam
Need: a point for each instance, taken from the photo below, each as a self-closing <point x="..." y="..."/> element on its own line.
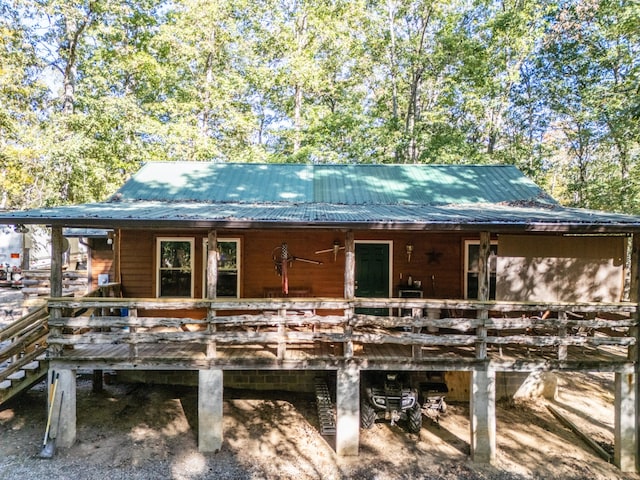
<point x="212" y="264"/>
<point x="483" y="293"/>
<point x="349" y="265"/>
<point x="212" y="288"/>
<point x="583" y="436"/>
<point x="117" y="242"/>
<point x="349" y="288"/>
<point x="57" y="241"/>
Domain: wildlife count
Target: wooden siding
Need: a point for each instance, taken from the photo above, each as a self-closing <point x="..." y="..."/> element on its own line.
<point x="101" y="262"/>
<point x="436" y="261"/>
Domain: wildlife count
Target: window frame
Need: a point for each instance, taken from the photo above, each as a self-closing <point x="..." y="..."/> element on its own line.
<point x="238" y="269"/>
<point x="159" y="269"/>
<point x="466" y="270"/>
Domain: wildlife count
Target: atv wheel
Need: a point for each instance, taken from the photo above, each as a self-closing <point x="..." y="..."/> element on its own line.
<point x="443" y="408"/>
<point x="414" y="419"/>
<point x="368" y="415"/>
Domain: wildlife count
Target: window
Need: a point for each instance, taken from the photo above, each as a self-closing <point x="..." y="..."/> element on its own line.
<point x="228" y="268"/>
<point x="472" y="254"/>
<point x="175" y="267"/>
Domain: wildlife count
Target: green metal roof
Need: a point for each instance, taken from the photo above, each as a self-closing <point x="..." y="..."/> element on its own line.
<point x="338" y="184"/>
<point x="408" y="197"/>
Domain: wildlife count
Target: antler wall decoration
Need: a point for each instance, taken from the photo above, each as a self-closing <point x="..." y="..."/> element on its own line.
<point x="282" y="261"/>
<point x="335" y="249"/>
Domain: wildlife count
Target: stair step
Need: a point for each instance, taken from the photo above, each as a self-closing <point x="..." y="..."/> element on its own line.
<point x="19" y="375"/>
<point x="5" y="385"/>
<point x="31" y="366"/>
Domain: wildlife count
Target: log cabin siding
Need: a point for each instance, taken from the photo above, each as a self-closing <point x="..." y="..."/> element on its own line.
<point x="137" y="263"/>
<point x="101" y="262"/>
<point x="436" y="260"/>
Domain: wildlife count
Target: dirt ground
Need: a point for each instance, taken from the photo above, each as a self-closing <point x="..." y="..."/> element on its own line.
<point x="132" y="431"/>
<point x="140" y="431"/>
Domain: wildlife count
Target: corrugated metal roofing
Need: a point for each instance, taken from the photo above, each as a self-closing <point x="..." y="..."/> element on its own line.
<point x="338" y="184"/>
<point x="206" y="195"/>
<point x="146" y="214"/>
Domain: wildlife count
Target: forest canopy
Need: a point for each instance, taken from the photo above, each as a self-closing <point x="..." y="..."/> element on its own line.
<point x="91" y="89"/>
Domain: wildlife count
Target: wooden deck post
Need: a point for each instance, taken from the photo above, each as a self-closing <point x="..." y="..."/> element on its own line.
<point x="483" y="416"/>
<point x="65" y="393"/>
<point x="482" y="406"/>
<point x="117" y="272"/>
<point x="483" y="292"/>
<point x="212" y="287"/>
<point x="349" y="288"/>
<point x="627" y="396"/>
<point x="210" y="388"/>
<point x="55" y="313"/>
<point x="348" y="410"/>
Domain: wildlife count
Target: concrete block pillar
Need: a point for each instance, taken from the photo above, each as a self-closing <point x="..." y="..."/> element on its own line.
<point x="482" y="410"/>
<point x="63" y="421"/>
<point x="348" y="410"/>
<point x="625" y="436"/>
<point x="210" y="388"/>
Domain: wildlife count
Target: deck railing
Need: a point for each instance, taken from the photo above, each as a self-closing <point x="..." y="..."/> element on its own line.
<point x="413" y="329"/>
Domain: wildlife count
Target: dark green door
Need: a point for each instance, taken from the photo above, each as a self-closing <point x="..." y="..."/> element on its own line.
<point x="372" y="274"/>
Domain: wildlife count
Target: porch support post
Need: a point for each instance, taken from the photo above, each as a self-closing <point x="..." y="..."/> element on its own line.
<point x="625" y="431"/>
<point x="210" y="388"/>
<point x="349" y="289"/>
<point x="212" y="288"/>
<point x="483" y="292"/>
<point x="65" y="393"/>
<point x="55" y="279"/>
<point x="57" y="241"/>
<point x="483" y="415"/>
<point x="627" y="394"/>
<point x="348" y="410"/>
<point x="212" y="264"/>
<point x="117" y="272"/>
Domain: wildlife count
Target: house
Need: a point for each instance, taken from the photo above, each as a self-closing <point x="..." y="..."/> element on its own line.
<point x="221" y="269"/>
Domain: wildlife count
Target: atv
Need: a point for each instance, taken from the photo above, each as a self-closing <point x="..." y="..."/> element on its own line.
<point x="389" y="395"/>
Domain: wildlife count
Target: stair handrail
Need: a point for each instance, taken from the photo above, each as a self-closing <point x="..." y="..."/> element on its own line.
<point x="21" y="362"/>
<point x="14" y="328"/>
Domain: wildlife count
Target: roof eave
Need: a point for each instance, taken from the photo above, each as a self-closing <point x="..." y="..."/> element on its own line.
<point x="170" y="224"/>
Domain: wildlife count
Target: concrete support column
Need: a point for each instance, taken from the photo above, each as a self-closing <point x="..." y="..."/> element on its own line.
<point x="482" y="409"/>
<point x="625" y="436"/>
<point x="63" y="421"/>
<point x="348" y="410"/>
<point x="210" y="388"/>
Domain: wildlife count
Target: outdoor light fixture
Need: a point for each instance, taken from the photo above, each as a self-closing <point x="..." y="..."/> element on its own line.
<point x="409" y="248"/>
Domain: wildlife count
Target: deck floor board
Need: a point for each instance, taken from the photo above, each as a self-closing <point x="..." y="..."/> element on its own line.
<point x="193" y="355"/>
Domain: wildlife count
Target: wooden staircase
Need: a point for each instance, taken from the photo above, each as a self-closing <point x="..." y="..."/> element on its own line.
<point x="23" y="344"/>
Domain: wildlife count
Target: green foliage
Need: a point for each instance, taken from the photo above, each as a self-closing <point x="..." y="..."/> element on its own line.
<point x="89" y="90"/>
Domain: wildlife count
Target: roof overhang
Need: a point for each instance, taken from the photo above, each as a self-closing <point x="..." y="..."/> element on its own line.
<point x="195" y="215"/>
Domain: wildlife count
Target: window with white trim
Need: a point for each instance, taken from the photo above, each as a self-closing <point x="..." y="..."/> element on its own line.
<point x="228" y="284"/>
<point x="175" y="267"/>
<point x="471" y="257"/>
